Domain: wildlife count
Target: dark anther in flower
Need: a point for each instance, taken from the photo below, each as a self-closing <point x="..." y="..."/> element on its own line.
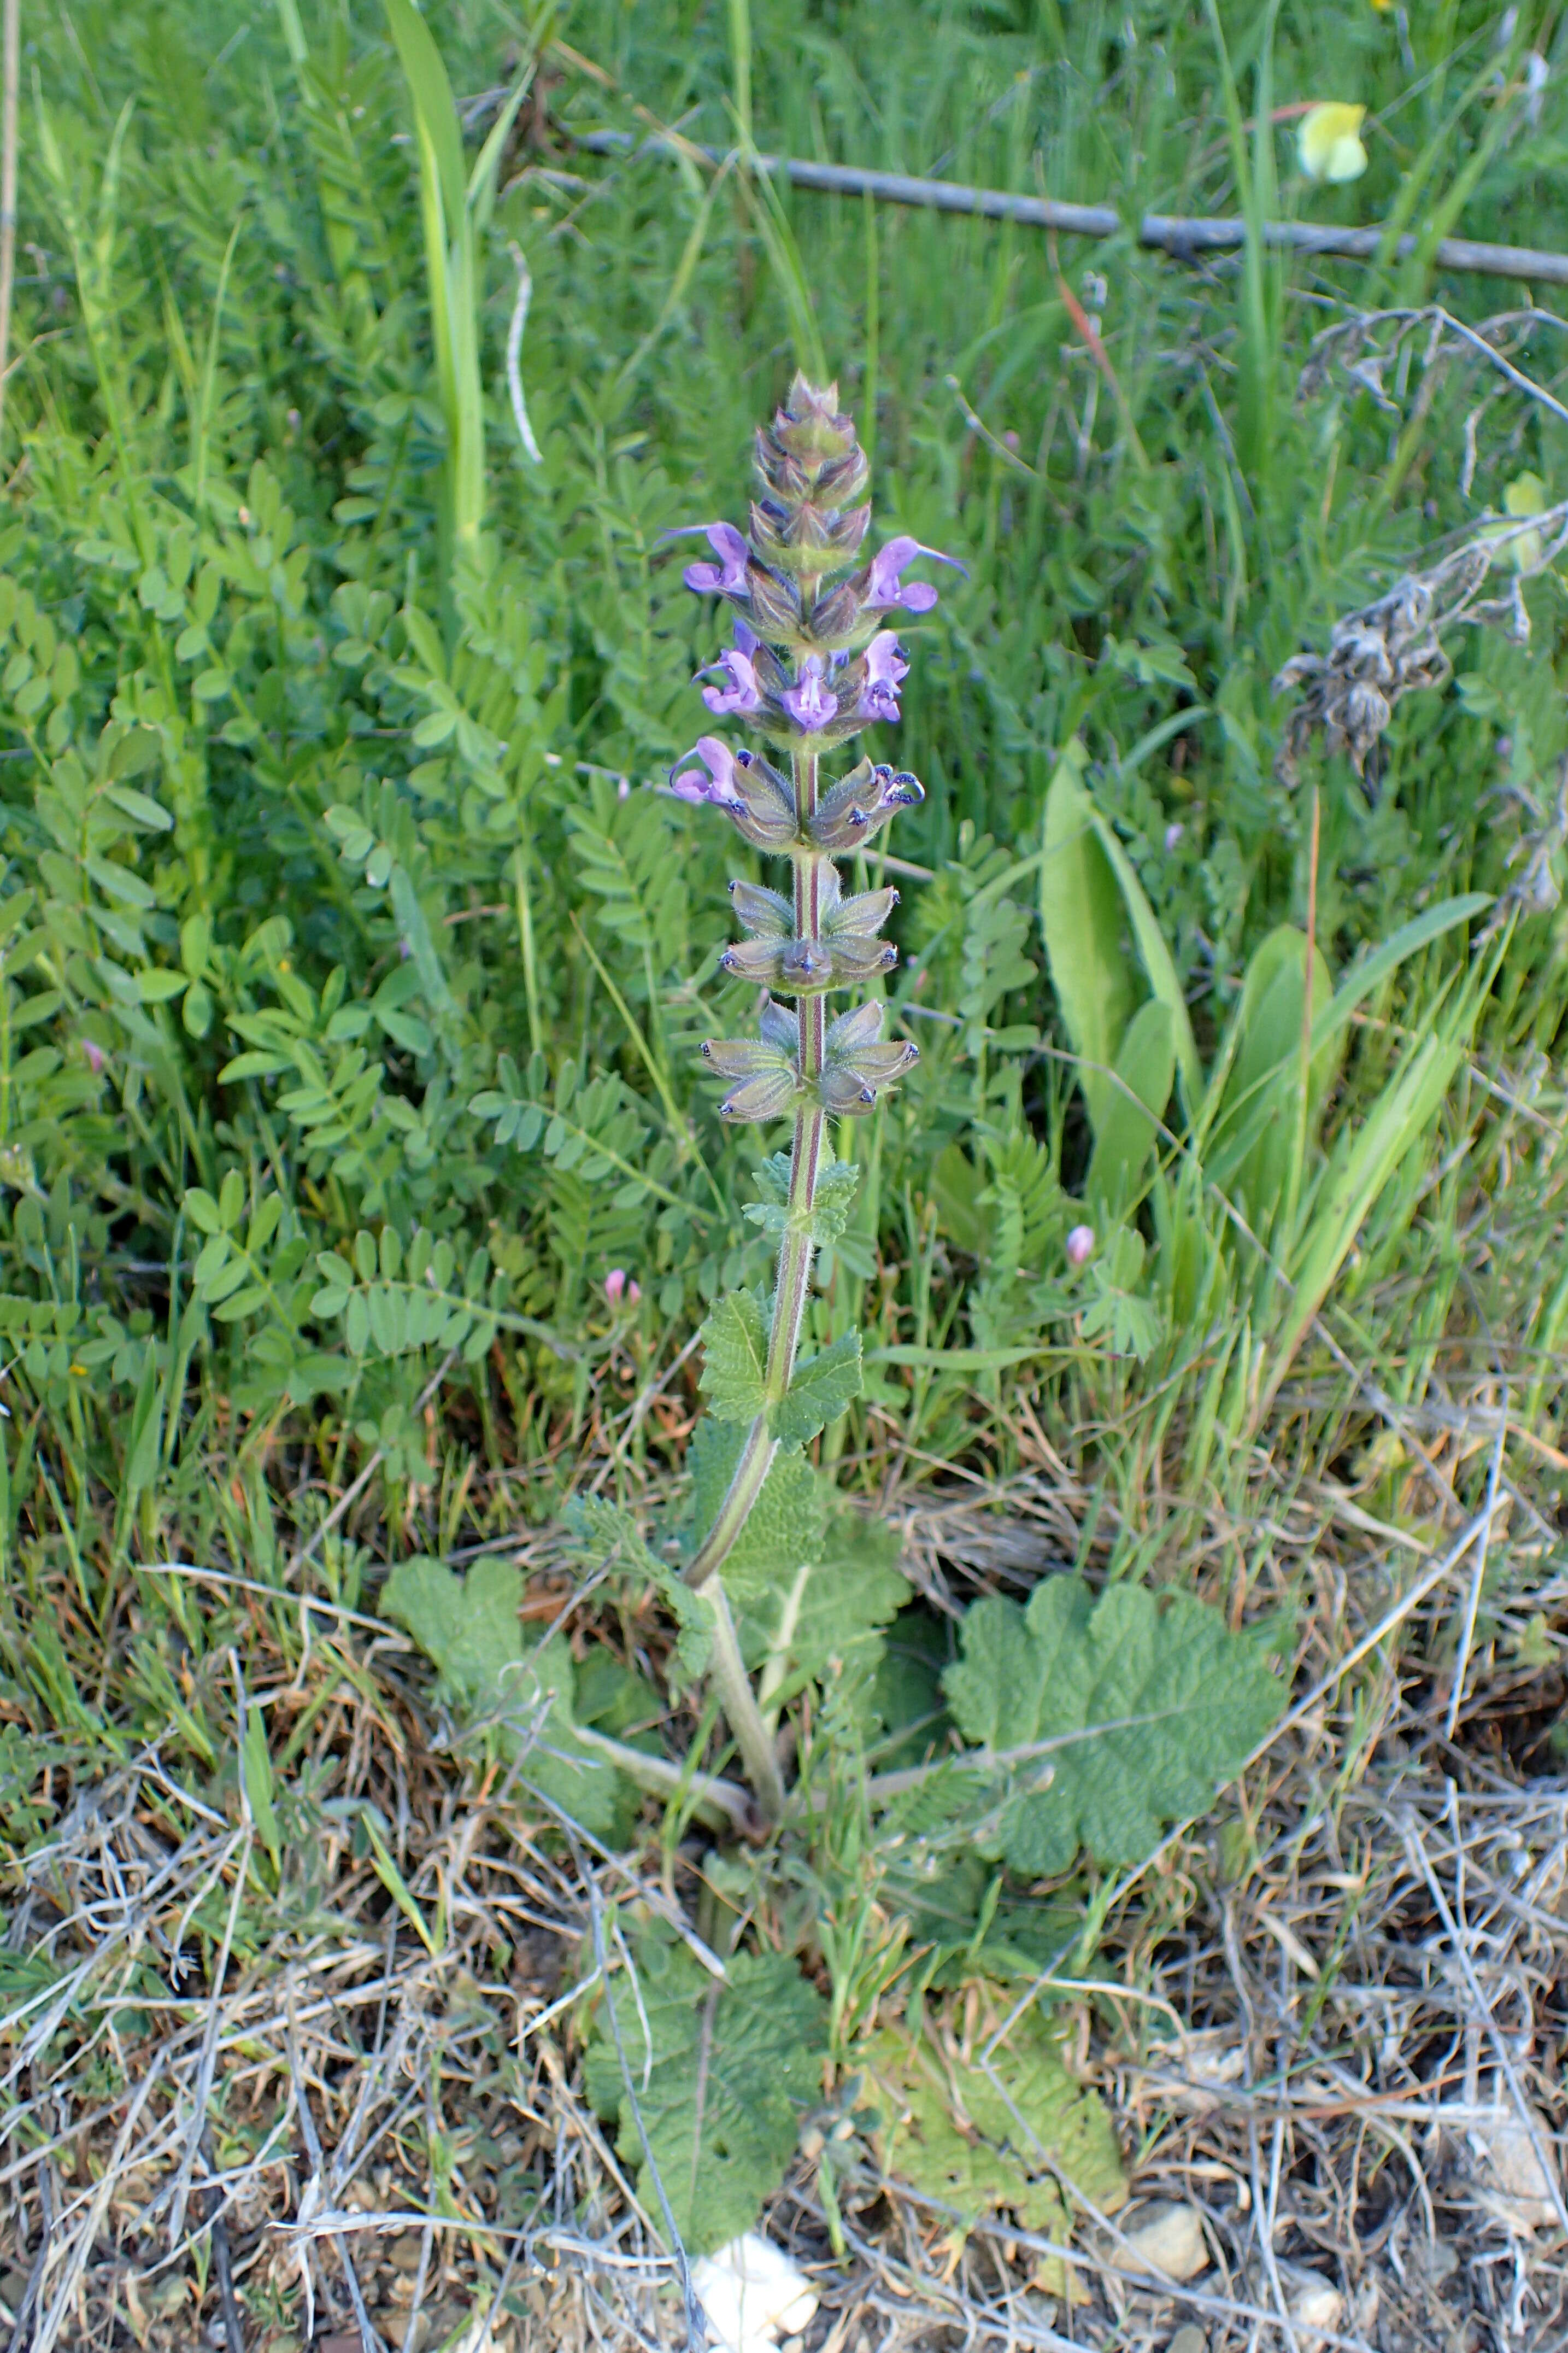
<point x="718" y="787"/>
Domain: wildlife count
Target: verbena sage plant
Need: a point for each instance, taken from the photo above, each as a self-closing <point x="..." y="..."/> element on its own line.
<point x="814" y="661"/>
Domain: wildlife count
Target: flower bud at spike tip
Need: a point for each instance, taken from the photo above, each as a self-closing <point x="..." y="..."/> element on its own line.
<point x="1081" y="1246"/>
<point x="619" y="1286"/>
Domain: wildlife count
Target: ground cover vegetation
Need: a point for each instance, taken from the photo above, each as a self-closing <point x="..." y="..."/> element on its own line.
<point x="1045" y="1791"/>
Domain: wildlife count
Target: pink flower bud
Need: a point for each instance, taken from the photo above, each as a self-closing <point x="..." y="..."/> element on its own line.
<point x="96" y="1057"/>
<point x="615" y="1285"/>
<point x="1081" y="1246"/>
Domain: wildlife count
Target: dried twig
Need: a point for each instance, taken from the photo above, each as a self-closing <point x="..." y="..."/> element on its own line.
<point x="1184" y="240"/>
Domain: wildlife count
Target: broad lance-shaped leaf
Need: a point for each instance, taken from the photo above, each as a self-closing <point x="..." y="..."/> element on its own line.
<point x="787" y="1520"/>
<point x="721" y="2076"/>
<point x="822" y="1387"/>
<point x="980" y="2141"/>
<point x="1171" y="1700"/>
<point x="734" y="1357"/>
<point x="608" y="1537"/>
<point x="521" y="1698"/>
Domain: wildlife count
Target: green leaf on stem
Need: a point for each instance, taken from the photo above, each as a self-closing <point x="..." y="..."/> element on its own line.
<point x="784" y="1531"/>
<point x="1156" y="1702"/>
<point x="735" y="1357"/>
<point x="829" y="1614"/>
<point x="822" y="1387"/>
<point x="830" y="1214"/>
<point x="608" y="1537"/>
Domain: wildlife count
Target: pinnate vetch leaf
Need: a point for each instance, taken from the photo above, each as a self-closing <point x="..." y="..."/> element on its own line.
<point x="1171" y="1701"/>
<point x="721" y="2079"/>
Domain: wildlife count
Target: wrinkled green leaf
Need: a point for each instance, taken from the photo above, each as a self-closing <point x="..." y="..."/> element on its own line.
<point x="1172" y="1703"/>
<point x="822" y="1387"/>
<point x="610" y="1537"/>
<point x="787" y="1521"/>
<point x="734" y="1357"/>
<point x="720" y="2077"/>
<point x="982" y="2139"/>
<point x="832" y="1608"/>
<point x="836" y="1189"/>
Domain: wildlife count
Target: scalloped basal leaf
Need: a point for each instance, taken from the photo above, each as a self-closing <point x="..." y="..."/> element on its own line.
<point x="981" y="2140"/>
<point x="520" y="1698"/>
<point x="1167" y="1701"/>
<point x="821" y="1389"/>
<point x="787" y="1522"/>
<point x="721" y="2075"/>
<point x="734" y="1357"/>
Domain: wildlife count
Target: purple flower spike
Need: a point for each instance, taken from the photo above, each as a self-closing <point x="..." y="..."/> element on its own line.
<point x="883" y="589"/>
<point x="726" y="577"/>
<point x="885" y="670"/>
<point x="742" y="693"/>
<point x="811" y="704"/>
<point x="718" y="787"/>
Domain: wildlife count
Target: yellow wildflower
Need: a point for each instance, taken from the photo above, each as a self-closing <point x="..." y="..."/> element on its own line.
<point x="1525" y="495"/>
<point x="1329" y="141"/>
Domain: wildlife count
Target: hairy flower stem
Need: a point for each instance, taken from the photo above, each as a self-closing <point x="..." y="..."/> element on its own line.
<point x="790" y="1291"/>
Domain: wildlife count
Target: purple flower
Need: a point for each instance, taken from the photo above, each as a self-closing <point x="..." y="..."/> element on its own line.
<point x="718" y="786"/>
<point x="883" y="584"/>
<point x="1081" y="1246"/>
<point x="96" y="1057"/>
<point x="743" y="692"/>
<point x="811" y="703"/>
<point x="885" y="668"/>
<point x="728" y="577"/>
<point x="1173" y="838"/>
